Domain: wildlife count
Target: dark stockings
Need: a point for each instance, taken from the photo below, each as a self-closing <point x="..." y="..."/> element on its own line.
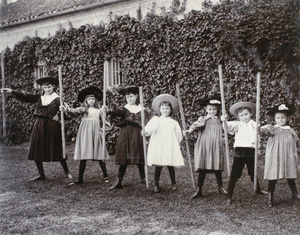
<point x="64" y="165"/>
<point x="157" y="174"/>
<point x="40" y="167"/>
<point x="103" y="168"/>
<point x="81" y="170"/>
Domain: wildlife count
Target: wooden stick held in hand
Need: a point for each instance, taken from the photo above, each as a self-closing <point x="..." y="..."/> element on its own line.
<point x="224" y="112"/>
<point x="186" y="137"/>
<point x="144" y="137"/>
<point x="62" y="113"/>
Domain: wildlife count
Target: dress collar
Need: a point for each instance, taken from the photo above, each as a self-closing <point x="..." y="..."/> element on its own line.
<point x="283" y="127"/>
<point x="133" y="108"/>
<point x="47" y="99"/>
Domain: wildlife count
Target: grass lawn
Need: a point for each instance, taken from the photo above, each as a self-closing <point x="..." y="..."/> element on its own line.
<point x="54" y="207"/>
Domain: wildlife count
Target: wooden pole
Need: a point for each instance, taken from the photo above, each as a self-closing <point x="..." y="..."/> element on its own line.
<point x="186" y="137"/>
<point x="144" y="137"/>
<point x="224" y="112"/>
<point x="105" y="71"/>
<point x="62" y="113"/>
<point x="3" y="96"/>
<point x="257" y="128"/>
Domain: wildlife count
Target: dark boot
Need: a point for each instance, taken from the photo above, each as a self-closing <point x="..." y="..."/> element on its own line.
<point x="157" y="173"/>
<point x="231" y="185"/>
<point x="142" y="173"/>
<point x="220" y="182"/>
<point x="293" y="188"/>
<point x="103" y="168"/>
<point x="40" y="167"/>
<point x="65" y="167"/>
<point x="172" y="176"/>
<point x="258" y="191"/>
<point x="271" y="189"/>
<point x="201" y="178"/>
<point x="121" y="173"/>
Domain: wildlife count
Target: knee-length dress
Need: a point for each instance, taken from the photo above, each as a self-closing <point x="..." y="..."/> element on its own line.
<point x="209" y="147"/>
<point x="89" y="140"/>
<point x="46" y="140"/>
<point x="281" y="158"/>
<point x="164" y="145"/>
<point x="129" y="147"/>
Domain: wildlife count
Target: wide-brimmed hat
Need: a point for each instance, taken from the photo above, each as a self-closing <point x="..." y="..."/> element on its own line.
<point x="212" y="101"/>
<point x="129" y="89"/>
<point x="90" y="91"/>
<point x="165" y="98"/>
<point x="282" y="108"/>
<point x="249" y="105"/>
<point x="44" y="80"/>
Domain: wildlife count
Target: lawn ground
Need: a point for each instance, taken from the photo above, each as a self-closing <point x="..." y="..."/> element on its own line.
<point x="54" y="207"/>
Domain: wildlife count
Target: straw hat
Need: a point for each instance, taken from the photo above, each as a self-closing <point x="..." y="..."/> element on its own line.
<point x="282" y="108"/>
<point x="44" y="80"/>
<point x="129" y="89"/>
<point x="165" y="98"/>
<point x="90" y="91"/>
<point x="249" y="105"/>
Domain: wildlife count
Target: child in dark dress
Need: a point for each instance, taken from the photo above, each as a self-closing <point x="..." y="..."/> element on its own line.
<point x="129" y="147"/>
<point x="46" y="139"/>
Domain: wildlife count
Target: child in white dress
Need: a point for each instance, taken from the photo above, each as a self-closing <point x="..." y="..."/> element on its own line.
<point x="209" y="148"/>
<point x="281" y="159"/>
<point x="88" y="144"/>
<point x="164" y="145"/>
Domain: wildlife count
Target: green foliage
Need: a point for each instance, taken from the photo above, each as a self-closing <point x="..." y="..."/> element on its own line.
<point x="159" y="52"/>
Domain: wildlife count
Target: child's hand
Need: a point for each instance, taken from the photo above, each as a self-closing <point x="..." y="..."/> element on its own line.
<point x="224" y="117"/>
<point x="186" y="132"/>
<point x="3" y="90"/>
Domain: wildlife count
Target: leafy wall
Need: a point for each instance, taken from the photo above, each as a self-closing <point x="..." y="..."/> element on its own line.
<point x="161" y="51"/>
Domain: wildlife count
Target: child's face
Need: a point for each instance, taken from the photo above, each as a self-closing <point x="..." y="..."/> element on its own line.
<point x="165" y="110"/>
<point x="131" y="99"/>
<point x="90" y="100"/>
<point x="281" y="119"/>
<point x="244" y="116"/>
<point x="211" y="110"/>
<point x="48" y="88"/>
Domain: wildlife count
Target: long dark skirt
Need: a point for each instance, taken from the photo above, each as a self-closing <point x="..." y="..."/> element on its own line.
<point x="129" y="147"/>
<point x="46" y="141"/>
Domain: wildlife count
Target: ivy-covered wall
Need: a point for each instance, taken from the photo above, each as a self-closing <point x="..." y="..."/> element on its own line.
<point x="161" y="51"/>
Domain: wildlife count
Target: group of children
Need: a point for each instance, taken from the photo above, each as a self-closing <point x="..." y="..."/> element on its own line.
<point x="281" y="160"/>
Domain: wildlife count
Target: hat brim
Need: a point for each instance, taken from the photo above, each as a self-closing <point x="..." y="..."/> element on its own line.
<point x="44" y="80"/>
<point x="275" y="110"/>
<point x="212" y="101"/>
<point x="249" y="105"/>
<point x="165" y="98"/>
<point x="90" y="91"/>
<point x="128" y="90"/>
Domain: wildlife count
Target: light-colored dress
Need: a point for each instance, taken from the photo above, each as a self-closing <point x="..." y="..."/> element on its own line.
<point x="89" y="138"/>
<point x="209" y="148"/>
<point x="281" y="159"/>
<point x="164" y="145"/>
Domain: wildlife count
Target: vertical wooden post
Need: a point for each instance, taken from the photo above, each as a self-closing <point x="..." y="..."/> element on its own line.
<point x="224" y="112"/>
<point x="62" y="113"/>
<point x="105" y="76"/>
<point x="186" y="137"/>
<point x="257" y="128"/>
<point x="3" y="96"/>
<point x="144" y="137"/>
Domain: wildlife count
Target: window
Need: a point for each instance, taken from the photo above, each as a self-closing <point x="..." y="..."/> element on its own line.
<point x="112" y="72"/>
<point x="40" y="70"/>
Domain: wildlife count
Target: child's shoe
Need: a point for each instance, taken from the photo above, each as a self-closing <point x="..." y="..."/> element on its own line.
<point x="174" y="187"/>
<point x="40" y="177"/>
<point x="222" y="190"/>
<point x="68" y="175"/>
<point x="229" y="201"/>
<point x="106" y="180"/>
<point x="197" y="194"/>
<point x="156" y="189"/>
<point x="295" y="196"/>
<point x="261" y="192"/>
